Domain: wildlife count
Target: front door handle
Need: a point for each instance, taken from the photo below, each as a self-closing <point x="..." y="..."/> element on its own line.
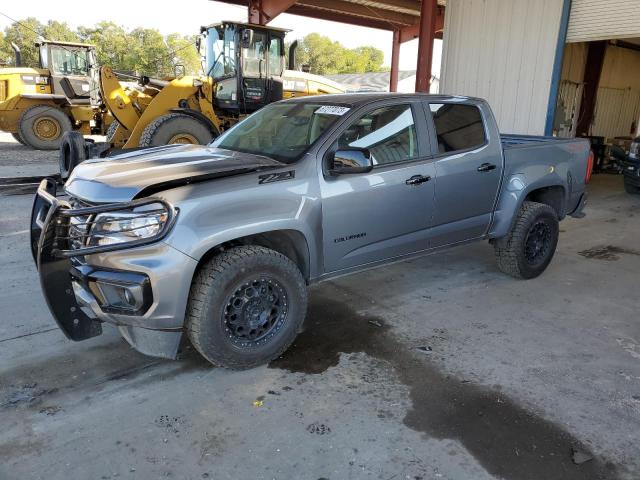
<point x="486" y="167"/>
<point x="417" y="179"/>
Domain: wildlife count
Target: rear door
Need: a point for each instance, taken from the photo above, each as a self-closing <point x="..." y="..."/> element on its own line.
<point x="468" y="164"/>
<point x="384" y="213"/>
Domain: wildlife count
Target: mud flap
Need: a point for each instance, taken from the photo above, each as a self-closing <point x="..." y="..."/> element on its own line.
<point x="53" y="271"/>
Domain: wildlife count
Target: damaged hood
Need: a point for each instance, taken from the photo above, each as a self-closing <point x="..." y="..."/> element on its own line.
<point x="138" y="173"/>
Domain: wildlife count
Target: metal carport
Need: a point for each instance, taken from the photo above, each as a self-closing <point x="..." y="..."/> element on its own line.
<point x="407" y="19"/>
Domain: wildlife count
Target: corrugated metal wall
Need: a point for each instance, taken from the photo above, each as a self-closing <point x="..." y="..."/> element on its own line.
<point x="569" y="101"/>
<point x="603" y="19"/>
<point x="616" y="111"/>
<point x="502" y="50"/>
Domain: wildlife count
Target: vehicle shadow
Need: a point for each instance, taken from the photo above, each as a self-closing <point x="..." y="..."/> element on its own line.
<point x="85" y="368"/>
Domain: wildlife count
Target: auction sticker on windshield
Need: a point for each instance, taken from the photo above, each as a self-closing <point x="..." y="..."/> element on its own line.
<point x="332" y="110"/>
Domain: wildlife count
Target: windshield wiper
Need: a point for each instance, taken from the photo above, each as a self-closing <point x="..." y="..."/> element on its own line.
<point x="214" y="64"/>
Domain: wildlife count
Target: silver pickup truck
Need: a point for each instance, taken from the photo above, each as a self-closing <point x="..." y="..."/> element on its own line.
<point x="220" y="242"/>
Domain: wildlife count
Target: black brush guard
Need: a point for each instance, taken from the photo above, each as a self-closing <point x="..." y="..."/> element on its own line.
<point x="52" y="253"/>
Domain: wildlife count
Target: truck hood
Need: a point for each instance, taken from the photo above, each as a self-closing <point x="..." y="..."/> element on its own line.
<point x="142" y="172"/>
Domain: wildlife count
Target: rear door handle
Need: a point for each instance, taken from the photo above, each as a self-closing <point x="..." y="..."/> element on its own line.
<point x="486" y="167"/>
<point x="417" y="179"/>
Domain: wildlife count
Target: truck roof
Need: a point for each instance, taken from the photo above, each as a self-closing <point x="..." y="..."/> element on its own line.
<point x="356" y="99"/>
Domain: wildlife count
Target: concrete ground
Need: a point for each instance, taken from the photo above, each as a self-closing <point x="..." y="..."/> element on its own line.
<point x="436" y="368"/>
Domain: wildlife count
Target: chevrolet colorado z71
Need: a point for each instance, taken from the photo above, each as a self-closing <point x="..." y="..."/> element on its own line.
<point x="220" y="242"/>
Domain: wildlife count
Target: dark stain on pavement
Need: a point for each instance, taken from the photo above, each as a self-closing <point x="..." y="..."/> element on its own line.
<point x="609" y="253"/>
<point x="508" y="440"/>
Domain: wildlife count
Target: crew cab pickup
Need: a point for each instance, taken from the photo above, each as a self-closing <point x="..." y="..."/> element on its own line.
<point x="220" y="242"/>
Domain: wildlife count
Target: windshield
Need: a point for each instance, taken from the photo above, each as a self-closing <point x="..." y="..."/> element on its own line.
<point x="283" y="131"/>
<point x="68" y="61"/>
<point x="220" y="52"/>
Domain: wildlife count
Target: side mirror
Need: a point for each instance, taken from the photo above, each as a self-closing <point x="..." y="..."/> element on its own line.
<point x="198" y="43"/>
<point x="247" y="38"/>
<point x="356" y="160"/>
<point x="179" y="70"/>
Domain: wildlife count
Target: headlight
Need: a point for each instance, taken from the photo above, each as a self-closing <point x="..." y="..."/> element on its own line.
<point x="634" y="151"/>
<point x="127" y="226"/>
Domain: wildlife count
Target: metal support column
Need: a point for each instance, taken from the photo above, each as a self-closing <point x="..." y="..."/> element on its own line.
<point x="261" y="12"/>
<point x="395" y="62"/>
<point x="428" y="13"/>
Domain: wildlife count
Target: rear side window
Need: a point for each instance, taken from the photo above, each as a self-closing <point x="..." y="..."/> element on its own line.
<point x="458" y="127"/>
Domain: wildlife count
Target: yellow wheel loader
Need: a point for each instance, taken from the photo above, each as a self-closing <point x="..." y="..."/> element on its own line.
<point x="244" y="70"/>
<point x="38" y="105"/>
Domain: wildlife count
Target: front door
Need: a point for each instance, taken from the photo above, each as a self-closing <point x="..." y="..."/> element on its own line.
<point x="254" y="72"/>
<point x="468" y="172"/>
<point x="384" y="213"/>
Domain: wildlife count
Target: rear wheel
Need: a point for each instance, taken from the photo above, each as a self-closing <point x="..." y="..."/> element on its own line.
<point x="42" y="127"/>
<point x="17" y="136"/>
<point x="246" y="307"/>
<point x="175" y="128"/>
<point x="630" y="188"/>
<point x="529" y="247"/>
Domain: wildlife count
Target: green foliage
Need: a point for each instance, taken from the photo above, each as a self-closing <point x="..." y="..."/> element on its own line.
<point x="139" y="51"/>
<point x="324" y="56"/>
<point x="146" y="51"/>
<point x="24" y="36"/>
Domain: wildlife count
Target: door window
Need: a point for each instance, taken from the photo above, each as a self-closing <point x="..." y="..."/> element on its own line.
<point x="458" y="126"/>
<point x="67" y="61"/>
<point x="388" y="132"/>
<point x="255" y="55"/>
<point x="275" y="59"/>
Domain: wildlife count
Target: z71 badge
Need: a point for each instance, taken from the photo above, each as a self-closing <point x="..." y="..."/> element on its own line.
<point x="276" y="177"/>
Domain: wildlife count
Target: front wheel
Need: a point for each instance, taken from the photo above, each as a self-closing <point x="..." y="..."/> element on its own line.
<point x="17" y="136"/>
<point x="529" y="247"/>
<point x="246" y="306"/>
<point x="42" y="127"/>
<point x="175" y="128"/>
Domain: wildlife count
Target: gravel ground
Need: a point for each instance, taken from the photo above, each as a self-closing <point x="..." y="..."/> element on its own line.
<point x="16" y="160"/>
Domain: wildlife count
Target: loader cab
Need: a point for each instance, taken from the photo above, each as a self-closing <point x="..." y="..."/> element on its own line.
<point x="69" y="65"/>
<point x="246" y="63"/>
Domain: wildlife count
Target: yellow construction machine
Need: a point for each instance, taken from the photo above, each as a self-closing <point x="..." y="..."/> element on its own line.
<point x="244" y="70"/>
<point x="38" y="105"/>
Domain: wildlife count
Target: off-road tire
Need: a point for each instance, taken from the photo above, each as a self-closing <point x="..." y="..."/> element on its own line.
<point x="213" y="289"/>
<point x="167" y="127"/>
<point x="111" y="131"/>
<point x="629" y="188"/>
<point x="18" y="138"/>
<point x="510" y="250"/>
<point x="72" y="152"/>
<point x="38" y="113"/>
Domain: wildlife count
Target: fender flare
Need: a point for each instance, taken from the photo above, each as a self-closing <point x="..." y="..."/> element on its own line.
<point x="504" y="218"/>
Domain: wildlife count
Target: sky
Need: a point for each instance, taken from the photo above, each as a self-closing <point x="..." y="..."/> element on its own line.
<point x="194" y="13"/>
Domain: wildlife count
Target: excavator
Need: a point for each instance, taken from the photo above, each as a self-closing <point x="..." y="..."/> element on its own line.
<point x="244" y="70"/>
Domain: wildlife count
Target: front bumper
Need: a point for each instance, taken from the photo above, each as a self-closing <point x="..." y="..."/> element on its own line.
<point x="85" y="290"/>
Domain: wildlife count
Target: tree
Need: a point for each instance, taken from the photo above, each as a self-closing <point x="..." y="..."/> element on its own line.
<point x="25" y="34"/>
<point x="324" y="56"/>
<point x="111" y="41"/>
<point x="59" y="31"/>
<point x="185" y="53"/>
